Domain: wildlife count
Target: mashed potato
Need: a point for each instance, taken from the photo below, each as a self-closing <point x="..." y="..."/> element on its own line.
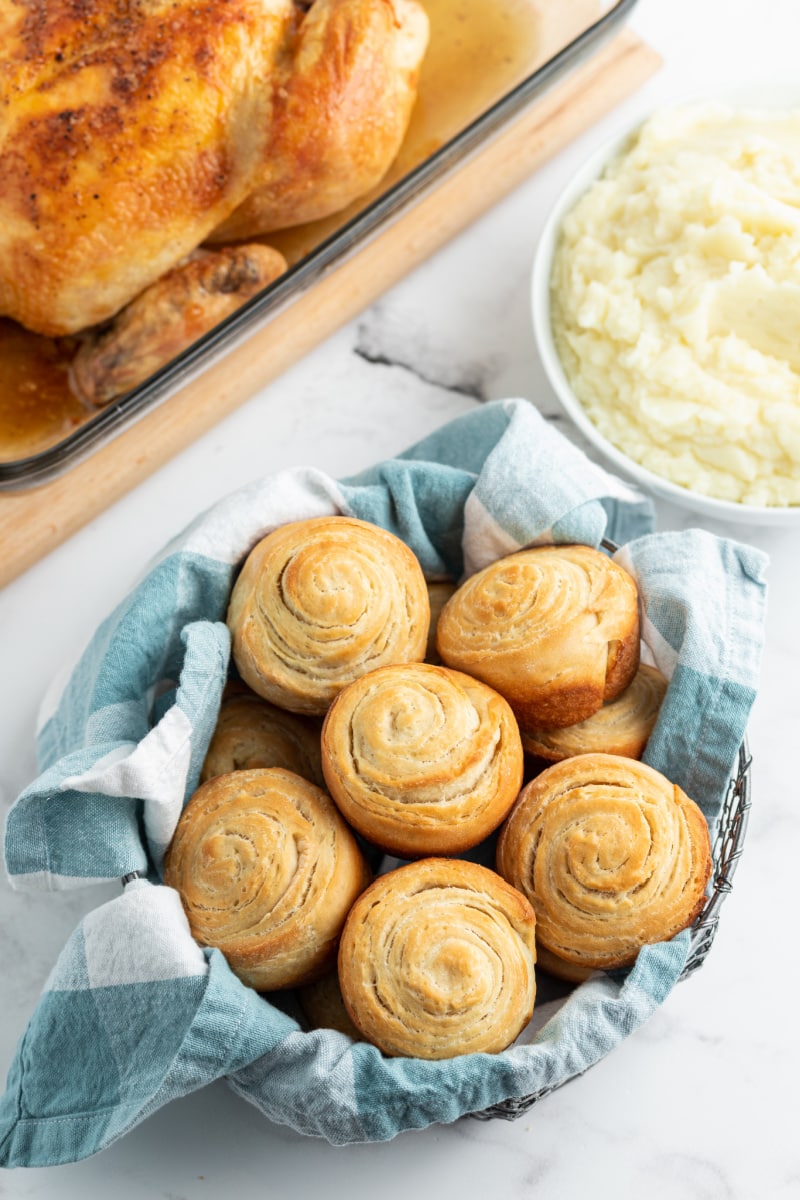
<point x="676" y="302"/>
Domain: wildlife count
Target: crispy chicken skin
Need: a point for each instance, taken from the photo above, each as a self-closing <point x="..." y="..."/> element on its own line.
<point x="168" y="316"/>
<point x="339" y="114"/>
<point x="131" y="130"/>
<point x="128" y="130"/>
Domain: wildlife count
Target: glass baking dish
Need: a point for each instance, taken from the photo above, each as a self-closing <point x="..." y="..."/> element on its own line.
<point x="487" y="61"/>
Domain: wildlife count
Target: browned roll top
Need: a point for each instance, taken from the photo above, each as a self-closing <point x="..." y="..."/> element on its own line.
<point x="422" y="760"/>
<point x="251" y="732"/>
<point x="554" y="629"/>
<point x="267" y="871"/>
<point x="622" y="726"/>
<point x="437" y="959"/>
<point x="321" y="602"/>
<point x="611" y="855"/>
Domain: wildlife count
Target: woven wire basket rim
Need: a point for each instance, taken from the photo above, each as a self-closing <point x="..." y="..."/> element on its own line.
<point x="726" y="852"/>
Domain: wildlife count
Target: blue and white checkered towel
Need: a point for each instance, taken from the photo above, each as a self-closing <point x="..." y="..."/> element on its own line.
<point x="135" y="1013"/>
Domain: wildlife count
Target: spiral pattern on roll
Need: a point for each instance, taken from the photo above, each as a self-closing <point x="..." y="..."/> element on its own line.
<point x="267" y="871"/>
<point x="319" y="603"/>
<point x="252" y="733"/>
<point x="437" y="959"/>
<point x="422" y="760"/>
<point x="611" y="855"/>
<point x="622" y="726"/>
<point x="555" y="629"/>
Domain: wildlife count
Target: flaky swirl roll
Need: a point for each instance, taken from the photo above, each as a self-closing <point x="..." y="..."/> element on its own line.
<point x="622" y="726"/>
<point x="422" y="760"/>
<point x="555" y="629"/>
<point x="251" y="732"/>
<point x="437" y="959"/>
<point x="323" y="1006"/>
<point x="611" y="855"/>
<point x="320" y="602"/>
<point x="267" y="871"/>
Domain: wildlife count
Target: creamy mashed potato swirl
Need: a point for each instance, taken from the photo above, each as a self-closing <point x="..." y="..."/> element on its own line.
<point x="676" y="302"/>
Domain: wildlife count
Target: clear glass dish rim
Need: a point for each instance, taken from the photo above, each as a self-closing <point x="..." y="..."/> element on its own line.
<point x="17" y="474"/>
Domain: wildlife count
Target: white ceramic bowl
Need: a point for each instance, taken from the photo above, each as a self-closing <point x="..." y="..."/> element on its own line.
<point x="776" y="96"/>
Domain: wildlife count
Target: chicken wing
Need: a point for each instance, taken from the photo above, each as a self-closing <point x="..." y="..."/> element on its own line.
<point x="168" y="316"/>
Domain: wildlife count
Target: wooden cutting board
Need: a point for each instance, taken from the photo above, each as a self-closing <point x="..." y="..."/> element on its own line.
<point x="36" y="521"/>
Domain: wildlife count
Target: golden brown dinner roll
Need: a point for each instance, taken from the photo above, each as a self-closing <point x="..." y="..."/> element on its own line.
<point x="323" y="1006"/>
<point x="611" y="855"/>
<point x="319" y="603"/>
<point x="554" y="629"/>
<point x="437" y="959"/>
<point x="422" y="760"/>
<point x="553" y="965"/>
<point x="267" y="871"/>
<point x="439" y="593"/>
<point x="621" y="726"/>
<point x="251" y="732"/>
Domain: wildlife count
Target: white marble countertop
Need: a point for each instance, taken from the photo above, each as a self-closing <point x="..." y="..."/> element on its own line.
<point x="701" y="1104"/>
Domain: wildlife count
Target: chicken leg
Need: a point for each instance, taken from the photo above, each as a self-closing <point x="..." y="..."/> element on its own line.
<point x="168" y="316"/>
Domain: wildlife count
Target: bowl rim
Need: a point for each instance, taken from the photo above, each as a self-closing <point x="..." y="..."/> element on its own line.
<point x="748" y="95"/>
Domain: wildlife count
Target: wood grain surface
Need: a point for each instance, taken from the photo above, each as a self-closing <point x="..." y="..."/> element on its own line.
<point x="34" y="522"/>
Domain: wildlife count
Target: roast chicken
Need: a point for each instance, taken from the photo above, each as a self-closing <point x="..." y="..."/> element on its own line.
<point x="134" y="131"/>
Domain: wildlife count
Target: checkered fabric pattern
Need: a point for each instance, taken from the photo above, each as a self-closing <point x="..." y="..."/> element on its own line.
<point x="135" y="1013"/>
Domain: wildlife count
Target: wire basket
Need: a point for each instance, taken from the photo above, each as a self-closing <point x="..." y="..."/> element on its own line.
<point x="726" y="852"/>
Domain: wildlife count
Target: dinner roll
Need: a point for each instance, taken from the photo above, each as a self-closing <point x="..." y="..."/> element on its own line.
<point x="251" y="732"/>
<point x="323" y="1006"/>
<point x="611" y="855"/>
<point x="320" y="602"/>
<point x="622" y="726"/>
<point x="267" y="871"/>
<point x="422" y="760"/>
<point x="437" y="959"/>
<point x="555" y="629"/>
